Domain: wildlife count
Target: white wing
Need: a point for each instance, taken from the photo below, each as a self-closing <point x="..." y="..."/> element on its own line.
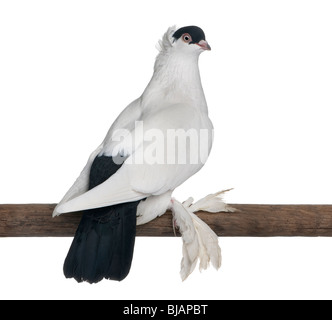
<point x="80" y="185"/>
<point x="126" y="118"/>
<point x="115" y="190"/>
<point x="138" y="178"/>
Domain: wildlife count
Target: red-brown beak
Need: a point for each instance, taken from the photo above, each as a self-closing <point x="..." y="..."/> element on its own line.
<point x="204" y="45"/>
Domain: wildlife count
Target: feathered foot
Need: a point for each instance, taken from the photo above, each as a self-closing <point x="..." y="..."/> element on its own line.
<point x="199" y="241"/>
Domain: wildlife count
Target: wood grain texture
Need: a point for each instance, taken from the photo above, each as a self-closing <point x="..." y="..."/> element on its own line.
<point x="252" y="220"/>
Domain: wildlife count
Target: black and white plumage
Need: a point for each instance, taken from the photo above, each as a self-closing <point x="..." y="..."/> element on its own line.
<point x="114" y="187"/>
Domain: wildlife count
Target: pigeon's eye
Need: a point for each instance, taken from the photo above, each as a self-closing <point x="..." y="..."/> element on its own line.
<point x="186" y="38"/>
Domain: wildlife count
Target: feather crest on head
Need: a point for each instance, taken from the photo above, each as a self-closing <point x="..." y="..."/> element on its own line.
<point x="166" y="42"/>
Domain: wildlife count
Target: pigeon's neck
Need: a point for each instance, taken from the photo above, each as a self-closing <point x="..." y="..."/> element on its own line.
<point x="176" y="79"/>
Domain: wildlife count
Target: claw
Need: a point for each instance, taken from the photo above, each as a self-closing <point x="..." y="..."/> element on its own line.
<point x="188" y="202"/>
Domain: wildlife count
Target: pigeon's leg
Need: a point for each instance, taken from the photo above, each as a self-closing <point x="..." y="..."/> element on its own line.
<point x="190" y="248"/>
<point x="199" y="241"/>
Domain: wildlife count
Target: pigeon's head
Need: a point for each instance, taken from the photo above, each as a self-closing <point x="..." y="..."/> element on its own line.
<point x="190" y="39"/>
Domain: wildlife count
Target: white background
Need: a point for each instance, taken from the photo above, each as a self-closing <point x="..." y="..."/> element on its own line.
<point x="67" y="69"/>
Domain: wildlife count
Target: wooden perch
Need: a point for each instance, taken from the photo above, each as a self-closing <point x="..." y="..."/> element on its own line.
<point x="252" y="220"/>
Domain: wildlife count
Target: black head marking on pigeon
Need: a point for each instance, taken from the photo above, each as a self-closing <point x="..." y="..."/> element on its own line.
<point x="196" y="33"/>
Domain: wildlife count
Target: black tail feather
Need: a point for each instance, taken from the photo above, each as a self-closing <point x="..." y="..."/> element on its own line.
<point x="103" y="245"/>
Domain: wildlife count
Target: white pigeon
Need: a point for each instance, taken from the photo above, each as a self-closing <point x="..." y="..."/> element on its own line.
<point x="157" y="142"/>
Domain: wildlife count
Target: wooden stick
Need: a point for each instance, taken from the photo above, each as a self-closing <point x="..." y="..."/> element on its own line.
<point x="252" y="220"/>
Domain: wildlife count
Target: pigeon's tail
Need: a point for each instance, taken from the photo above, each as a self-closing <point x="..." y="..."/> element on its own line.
<point x="103" y="245"/>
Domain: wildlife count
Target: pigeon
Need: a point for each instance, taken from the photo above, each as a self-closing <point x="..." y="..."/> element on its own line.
<point x="129" y="179"/>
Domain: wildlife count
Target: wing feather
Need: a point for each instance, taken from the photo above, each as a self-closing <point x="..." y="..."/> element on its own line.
<point x="115" y="190"/>
<point x="81" y="184"/>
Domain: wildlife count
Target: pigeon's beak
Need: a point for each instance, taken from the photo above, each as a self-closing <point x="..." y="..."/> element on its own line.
<point x="204" y="45"/>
